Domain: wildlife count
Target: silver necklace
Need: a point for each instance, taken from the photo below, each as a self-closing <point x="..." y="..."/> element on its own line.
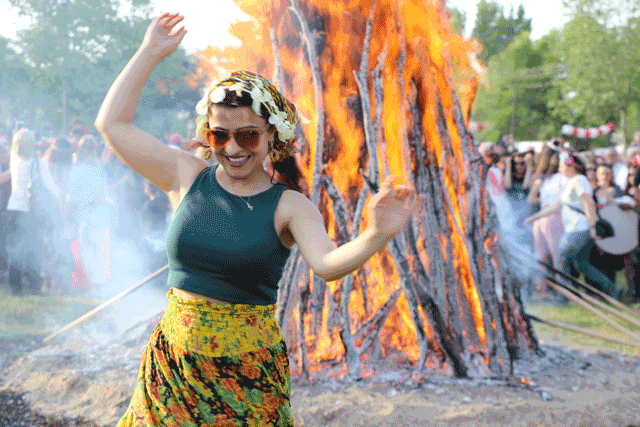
<point x="247" y="202"/>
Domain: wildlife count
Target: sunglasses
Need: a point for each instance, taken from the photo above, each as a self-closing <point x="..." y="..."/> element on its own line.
<point x="245" y="138"/>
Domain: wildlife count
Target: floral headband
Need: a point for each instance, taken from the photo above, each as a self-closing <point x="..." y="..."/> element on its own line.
<point x="282" y="113"/>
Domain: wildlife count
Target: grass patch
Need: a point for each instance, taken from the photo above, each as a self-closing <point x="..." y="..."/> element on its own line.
<point x="38" y="315"/>
<point x="572" y="314"/>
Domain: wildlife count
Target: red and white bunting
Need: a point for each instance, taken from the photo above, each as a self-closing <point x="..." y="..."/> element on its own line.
<point x="588" y="132"/>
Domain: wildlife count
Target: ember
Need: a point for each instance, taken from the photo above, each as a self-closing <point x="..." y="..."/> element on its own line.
<point x="386" y="88"/>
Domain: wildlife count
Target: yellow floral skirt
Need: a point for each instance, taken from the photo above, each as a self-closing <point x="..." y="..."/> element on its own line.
<point x="213" y="365"/>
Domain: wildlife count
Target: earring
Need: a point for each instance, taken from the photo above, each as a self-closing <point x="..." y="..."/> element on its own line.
<point x="207" y="154"/>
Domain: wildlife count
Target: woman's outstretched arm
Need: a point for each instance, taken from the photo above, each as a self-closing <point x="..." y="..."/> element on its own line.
<point x="389" y="210"/>
<point x="140" y="150"/>
<point x="551" y="209"/>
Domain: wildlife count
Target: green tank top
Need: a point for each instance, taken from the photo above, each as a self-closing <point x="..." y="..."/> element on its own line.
<point x="219" y="248"/>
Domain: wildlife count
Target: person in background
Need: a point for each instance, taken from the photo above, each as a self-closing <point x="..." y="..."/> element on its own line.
<point x="632" y="259"/>
<point x="619" y="168"/>
<point x="547" y="231"/>
<point x="604" y="193"/>
<point x="633" y="165"/>
<point x="635" y="142"/>
<point x="154" y="226"/>
<point x="579" y="228"/>
<point x="24" y="233"/>
<point x="57" y="257"/>
<point x="590" y="172"/>
<point x="91" y="210"/>
<point x="518" y="239"/>
<point x="495" y="181"/>
<point x="606" y="189"/>
<point x="5" y="193"/>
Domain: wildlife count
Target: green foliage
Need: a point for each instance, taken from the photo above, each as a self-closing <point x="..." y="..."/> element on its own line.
<point x="86" y="43"/>
<point x="495" y="30"/>
<point x="585" y="74"/>
<point x="458" y="19"/>
<point x="602" y="71"/>
<point x="520" y="75"/>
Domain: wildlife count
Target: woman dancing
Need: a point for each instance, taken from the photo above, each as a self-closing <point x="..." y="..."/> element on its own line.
<point x="579" y="228"/>
<point x="218" y="357"/>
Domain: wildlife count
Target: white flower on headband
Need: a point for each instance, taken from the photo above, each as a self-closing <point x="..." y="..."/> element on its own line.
<point x="284" y="127"/>
<point x="260" y="97"/>
<point x="202" y="106"/>
<point x="217" y="95"/>
<point x="237" y="88"/>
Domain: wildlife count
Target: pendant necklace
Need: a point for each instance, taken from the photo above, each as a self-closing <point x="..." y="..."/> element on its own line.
<point x="247" y="202"/>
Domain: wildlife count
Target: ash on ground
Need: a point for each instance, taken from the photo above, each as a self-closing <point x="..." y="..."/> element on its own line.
<point x="81" y="381"/>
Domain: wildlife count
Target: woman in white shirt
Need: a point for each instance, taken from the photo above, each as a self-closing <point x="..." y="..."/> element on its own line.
<point x="545" y="191"/>
<point x="23" y="242"/>
<point x="579" y="229"/>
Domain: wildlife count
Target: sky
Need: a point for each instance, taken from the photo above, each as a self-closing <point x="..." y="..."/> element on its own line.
<point x="211" y="28"/>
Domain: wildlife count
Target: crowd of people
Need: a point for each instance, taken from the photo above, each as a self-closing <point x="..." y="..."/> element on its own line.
<point x="96" y="222"/>
<point x="99" y="208"/>
<point x="548" y="204"/>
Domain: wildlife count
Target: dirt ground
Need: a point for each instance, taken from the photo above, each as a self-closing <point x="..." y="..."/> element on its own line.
<point x="568" y="388"/>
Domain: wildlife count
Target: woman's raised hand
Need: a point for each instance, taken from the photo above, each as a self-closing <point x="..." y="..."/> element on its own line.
<point x="391" y="208"/>
<point x="161" y="38"/>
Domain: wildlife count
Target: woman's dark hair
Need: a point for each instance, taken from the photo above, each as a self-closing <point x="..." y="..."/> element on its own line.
<point x="612" y="181"/>
<point x="578" y="164"/>
<point x="285" y="171"/>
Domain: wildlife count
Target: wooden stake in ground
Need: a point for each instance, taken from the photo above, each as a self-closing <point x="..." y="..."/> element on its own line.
<point x="584" y="331"/>
<point x="597" y="313"/>
<point x="101" y="307"/>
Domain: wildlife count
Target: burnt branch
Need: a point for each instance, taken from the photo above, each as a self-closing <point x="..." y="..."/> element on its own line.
<point x="318" y="96"/>
<point x="279" y="75"/>
<point x="377" y="322"/>
<point x="351" y="353"/>
<point x="285" y="285"/>
<point x="406" y="283"/>
<point x="365" y="100"/>
<point x="379" y="317"/>
<point x="340" y="210"/>
<point x="377" y="77"/>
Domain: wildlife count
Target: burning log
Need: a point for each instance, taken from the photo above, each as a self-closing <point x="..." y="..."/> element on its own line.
<point x="430" y="298"/>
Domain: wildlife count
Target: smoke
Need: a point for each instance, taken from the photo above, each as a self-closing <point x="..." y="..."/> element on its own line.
<point x="517" y="241"/>
<point x="105" y="229"/>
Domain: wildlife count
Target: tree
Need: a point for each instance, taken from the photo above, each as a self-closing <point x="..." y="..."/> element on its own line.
<point x="599" y="49"/>
<point x="76" y="48"/>
<point x="520" y="83"/>
<point x="457" y="19"/>
<point x="495" y="30"/>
